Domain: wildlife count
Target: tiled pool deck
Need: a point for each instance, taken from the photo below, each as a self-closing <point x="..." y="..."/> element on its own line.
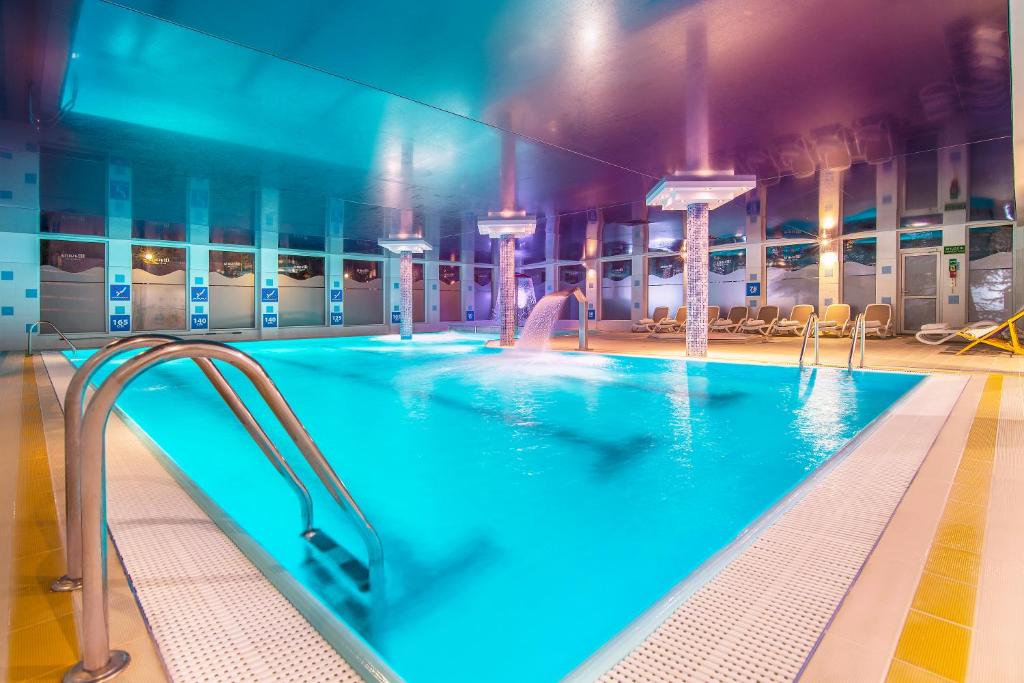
<point x="861" y="578"/>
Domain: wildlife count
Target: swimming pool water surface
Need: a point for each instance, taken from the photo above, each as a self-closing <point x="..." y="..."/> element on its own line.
<point x="530" y="506"/>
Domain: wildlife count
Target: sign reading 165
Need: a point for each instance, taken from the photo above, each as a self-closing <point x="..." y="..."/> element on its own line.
<point x="120" y="323"/>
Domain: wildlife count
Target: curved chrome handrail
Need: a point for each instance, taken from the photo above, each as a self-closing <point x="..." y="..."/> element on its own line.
<point x="859" y="336"/>
<point x="34" y="327"/>
<point x="97" y="659"/>
<point x="73" y="401"/>
<point x="809" y="329"/>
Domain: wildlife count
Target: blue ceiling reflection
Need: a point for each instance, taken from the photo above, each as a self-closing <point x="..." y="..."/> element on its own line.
<point x="404" y="104"/>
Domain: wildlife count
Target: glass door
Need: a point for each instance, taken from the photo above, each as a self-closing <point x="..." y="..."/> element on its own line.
<point x="919" y="288"/>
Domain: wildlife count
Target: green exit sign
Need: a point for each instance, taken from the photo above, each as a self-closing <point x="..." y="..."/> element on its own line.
<point x="955" y="249"/>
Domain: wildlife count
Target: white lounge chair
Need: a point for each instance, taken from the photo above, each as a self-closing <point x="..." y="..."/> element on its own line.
<point x="764" y="323"/>
<point x="796" y="323"/>
<point x="737" y="314"/>
<point x="835" y="319"/>
<point x="936" y="334"/>
<point x="877" y="320"/>
<point x="676" y="324"/>
<point x="647" y="324"/>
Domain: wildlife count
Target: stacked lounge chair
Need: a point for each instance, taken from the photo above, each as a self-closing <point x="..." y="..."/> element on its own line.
<point x="764" y="323"/>
<point x="737" y="314"/>
<point x="796" y="323"/>
<point x="647" y="324"/>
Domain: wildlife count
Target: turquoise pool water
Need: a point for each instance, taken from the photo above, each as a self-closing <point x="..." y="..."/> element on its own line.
<point x="530" y="507"/>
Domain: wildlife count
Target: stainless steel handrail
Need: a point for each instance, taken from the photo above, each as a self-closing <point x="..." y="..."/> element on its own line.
<point x="809" y="329"/>
<point x="34" y="327"/>
<point x="859" y="335"/>
<point x="97" y="659"/>
<point x="73" y="401"/>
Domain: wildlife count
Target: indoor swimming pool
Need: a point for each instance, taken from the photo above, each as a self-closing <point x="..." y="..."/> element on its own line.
<point x="530" y="506"/>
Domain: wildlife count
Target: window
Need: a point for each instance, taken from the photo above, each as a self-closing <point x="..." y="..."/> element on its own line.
<point x="301" y="221"/>
<point x="859" y="273"/>
<point x="232" y="290"/>
<point x="991" y="183"/>
<point x="728" y="223"/>
<point x="450" y="285"/>
<point x="72" y="194"/>
<point x="531" y="249"/>
<point x="792" y="276"/>
<point x="364" y="292"/>
<point x="449" y="246"/>
<point x="665" y="230"/>
<point x="727" y="279"/>
<point x="419" y="294"/>
<point x="231" y="206"/>
<point x="572" y="236"/>
<point x="616" y="290"/>
<point x="921" y="180"/>
<point x="71" y="286"/>
<point x="158" y="288"/>
<point x="665" y="285"/>
<point x="792" y="208"/>
<point x="990" y="273"/>
<point x="570" y="278"/>
<point x="920" y="239"/>
<point x="860" y="210"/>
<point x="483" y="292"/>
<point x="616" y="239"/>
<point x="301" y="290"/>
<point x="158" y="204"/>
<point x="363" y="226"/>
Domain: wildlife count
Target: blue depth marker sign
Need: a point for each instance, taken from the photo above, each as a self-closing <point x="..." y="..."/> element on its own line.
<point x="337" y="295"/>
<point x="337" y="318"/>
<point x="753" y="289"/>
<point x="200" y="294"/>
<point x="396" y="317"/>
<point x="470" y="316"/>
<point x="268" y="295"/>
<point x="120" y="323"/>
<point x="270" y="320"/>
<point x="200" y="321"/>
<point x="120" y="292"/>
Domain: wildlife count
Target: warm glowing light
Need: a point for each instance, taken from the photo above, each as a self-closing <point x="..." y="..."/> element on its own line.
<point x="148" y="257"/>
<point x="591" y="273"/>
<point x="829" y="258"/>
<point x="828" y="222"/>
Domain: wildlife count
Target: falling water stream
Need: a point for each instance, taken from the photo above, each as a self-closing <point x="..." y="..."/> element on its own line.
<point x="536" y="334"/>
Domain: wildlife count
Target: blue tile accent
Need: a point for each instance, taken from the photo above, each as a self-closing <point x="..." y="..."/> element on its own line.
<point x="6" y="310"/>
<point x="6" y="274"/>
<point x="31" y="178"/>
<point x="200" y="309"/>
<point x="433" y="286"/>
<point x="954" y="298"/>
<point x="199" y="280"/>
<point x="118" y="277"/>
<point x="753" y="303"/>
<point x="828" y="302"/>
<point x="395" y="308"/>
<point x="887" y="300"/>
<point x="753" y="277"/>
<point x="6" y="194"/>
<point x="636" y="283"/>
<point x="887" y="199"/>
<point x="270" y="282"/>
<point x="337" y="284"/>
<point x="31" y="293"/>
<point x="886" y="270"/>
<point x="270" y="309"/>
<point x="636" y="304"/>
<point x="395" y="285"/>
<point x="119" y="310"/>
<point x="337" y="308"/>
<point x="433" y="307"/>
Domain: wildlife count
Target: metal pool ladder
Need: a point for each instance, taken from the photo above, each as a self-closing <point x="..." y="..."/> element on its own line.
<point x="86" y="486"/>
<point x="34" y="327"/>
<point x="809" y="329"/>
<point x="857" y="337"/>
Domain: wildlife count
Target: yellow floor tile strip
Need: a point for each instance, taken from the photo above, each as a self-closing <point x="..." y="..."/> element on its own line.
<point x="42" y="641"/>
<point x="936" y="637"/>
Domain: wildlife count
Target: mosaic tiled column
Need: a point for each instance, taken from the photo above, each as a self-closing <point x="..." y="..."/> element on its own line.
<point x="405" y="294"/>
<point x="507" y="271"/>
<point x="697" y="280"/>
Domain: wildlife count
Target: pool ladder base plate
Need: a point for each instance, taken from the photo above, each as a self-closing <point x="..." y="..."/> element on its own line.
<point x="119" y="659"/>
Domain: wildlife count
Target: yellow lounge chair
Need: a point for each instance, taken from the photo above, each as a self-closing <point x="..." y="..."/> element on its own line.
<point x="987" y="335"/>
